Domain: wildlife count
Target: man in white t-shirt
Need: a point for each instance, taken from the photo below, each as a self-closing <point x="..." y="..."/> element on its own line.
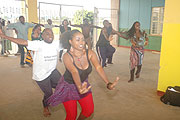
<point x="44" y="62"/>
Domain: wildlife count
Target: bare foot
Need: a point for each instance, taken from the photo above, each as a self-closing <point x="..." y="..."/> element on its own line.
<point x="46" y="112"/>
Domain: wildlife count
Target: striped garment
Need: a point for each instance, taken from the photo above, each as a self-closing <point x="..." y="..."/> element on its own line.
<point x="136" y="56"/>
<point x="29" y="59"/>
<point x="65" y="92"/>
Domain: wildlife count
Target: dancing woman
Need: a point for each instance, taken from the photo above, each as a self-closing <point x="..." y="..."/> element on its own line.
<point x="138" y="39"/>
<point x="73" y="86"/>
<point x="104" y="49"/>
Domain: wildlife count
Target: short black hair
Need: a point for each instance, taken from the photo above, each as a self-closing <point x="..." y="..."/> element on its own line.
<point x="64" y="20"/>
<point x="36" y="26"/>
<point x="21" y="17"/>
<point x="105" y="21"/>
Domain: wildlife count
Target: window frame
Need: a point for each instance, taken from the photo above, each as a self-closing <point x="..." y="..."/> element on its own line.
<point x="159" y="21"/>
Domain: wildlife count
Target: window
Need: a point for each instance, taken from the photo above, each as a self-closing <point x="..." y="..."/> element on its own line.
<point x="157" y="20"/>
<point x="12" y="9"/>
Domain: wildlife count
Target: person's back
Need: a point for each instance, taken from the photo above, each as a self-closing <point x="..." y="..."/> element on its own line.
<point x="102" y="41"/>
<point x="86" y="28"/>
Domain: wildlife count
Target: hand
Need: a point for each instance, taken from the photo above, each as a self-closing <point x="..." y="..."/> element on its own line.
<point x="110" y="37"/>
<point x="111" y="86"/>
<point x="146" y="43"/>
<point x="2" y="34"/>
<point x="83" y="89"/>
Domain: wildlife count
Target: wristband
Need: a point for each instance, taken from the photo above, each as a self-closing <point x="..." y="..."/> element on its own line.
<point x="108" y="85"/>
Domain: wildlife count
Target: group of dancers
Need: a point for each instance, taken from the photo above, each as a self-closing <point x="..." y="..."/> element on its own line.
<point x="73" y="85"/>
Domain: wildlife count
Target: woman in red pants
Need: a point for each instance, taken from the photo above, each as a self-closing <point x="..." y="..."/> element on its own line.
<point x="74" y="87"/>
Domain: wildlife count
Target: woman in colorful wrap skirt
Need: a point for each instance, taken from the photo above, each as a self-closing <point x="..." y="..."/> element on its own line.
<point x="139" y="40"/>
<point x="73" y="86"/>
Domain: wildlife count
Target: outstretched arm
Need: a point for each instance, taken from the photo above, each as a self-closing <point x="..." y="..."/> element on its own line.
<point x="38" y="23"/>
<point x="93" y="26"/>
<point x="68" y="62"/>
<point x="119" y="34"/>
<point x="93" y="58"/>
<point x="75" y="25"/>
<point x="56" y="25"/>
<point x="16" y="40"/>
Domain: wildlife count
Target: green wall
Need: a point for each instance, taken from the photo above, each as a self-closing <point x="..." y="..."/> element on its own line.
<point x="154" y="43"/>
<point x="139" y="10"/>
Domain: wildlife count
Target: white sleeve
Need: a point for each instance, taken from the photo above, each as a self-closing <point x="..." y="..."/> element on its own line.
<point x="58" y="45"/>
<point x="34" y="45"/>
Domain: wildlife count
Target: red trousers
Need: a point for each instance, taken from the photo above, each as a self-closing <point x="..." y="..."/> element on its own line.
<point x="86" y="104"/>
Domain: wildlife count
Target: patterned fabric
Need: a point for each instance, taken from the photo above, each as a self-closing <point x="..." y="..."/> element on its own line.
<point x="65" y="92"/>
<point x="136" y="56"/>
<point x="139" y="42"/>
<point x="29" y="59"/>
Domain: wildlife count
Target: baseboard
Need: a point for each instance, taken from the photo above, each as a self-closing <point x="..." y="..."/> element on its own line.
<point x="160" y="93"/>
<point x="144" y="49"/>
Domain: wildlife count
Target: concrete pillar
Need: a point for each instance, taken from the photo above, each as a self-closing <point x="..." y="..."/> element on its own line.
<point x="114" y="18"/>
<point x="32" y="14"/>
<point x="169" y="73"/>
<point x="32" y="11"/>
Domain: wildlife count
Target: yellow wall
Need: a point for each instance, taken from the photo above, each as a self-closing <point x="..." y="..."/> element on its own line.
<point x="169" y="73"/>
<point x="32" y="14"/>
